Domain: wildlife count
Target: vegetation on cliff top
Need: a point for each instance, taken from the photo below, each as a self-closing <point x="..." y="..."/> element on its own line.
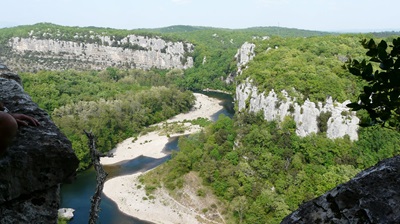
<point x="215" y="49"/>
<point x="263" y="170"/>
<point x="213" y="54"/>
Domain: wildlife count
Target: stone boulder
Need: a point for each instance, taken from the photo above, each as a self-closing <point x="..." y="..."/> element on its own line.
<point x="38" y="160"/>
<point x="372" y="196"/>
<point x="66" y="213"/>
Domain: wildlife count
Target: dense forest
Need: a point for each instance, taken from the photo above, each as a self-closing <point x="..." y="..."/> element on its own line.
<point x="213" y="54"/>
<point x="113" y="104"/>
<point x="312" y="66"/>
<point x="262" y="170"/>
<point x="259" y="170"/>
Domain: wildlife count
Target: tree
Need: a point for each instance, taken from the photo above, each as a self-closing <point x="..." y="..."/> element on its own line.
<point x="240" y="205"/>
<point x="381" y="96"/>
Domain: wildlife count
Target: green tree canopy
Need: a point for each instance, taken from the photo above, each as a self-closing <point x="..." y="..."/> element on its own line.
<point x="381" y="96"/>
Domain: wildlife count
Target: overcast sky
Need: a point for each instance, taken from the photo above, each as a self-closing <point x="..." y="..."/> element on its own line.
<point x="323" y="15"/>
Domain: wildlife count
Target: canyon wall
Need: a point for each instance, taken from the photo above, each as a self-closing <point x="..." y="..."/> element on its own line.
<point x="97" y="52"/>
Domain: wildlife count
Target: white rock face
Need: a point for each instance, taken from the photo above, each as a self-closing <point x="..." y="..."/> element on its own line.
<point x="341" y="122"/>
<point x="244" y="55"/>
<point x="66" y="213"/>
<point x="144" y="52"/>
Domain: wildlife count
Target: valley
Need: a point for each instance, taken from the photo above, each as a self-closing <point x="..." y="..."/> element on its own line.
<point x="291" y="140"/>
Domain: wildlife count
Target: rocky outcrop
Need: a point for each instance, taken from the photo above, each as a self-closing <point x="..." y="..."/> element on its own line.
<point x="38" y="160"/>
<point x="99" y="52"/>
<point x="244" y="55"/>
<point x="332" y="117"/>
<point x="372" y="196"/>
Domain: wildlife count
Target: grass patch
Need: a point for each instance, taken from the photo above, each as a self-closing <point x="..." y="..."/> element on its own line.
<point x="202" y="122"/>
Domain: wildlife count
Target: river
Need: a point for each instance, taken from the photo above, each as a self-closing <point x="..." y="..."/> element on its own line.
<point x="78" y="194"/>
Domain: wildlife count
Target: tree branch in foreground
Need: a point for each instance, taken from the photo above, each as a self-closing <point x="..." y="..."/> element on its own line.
<point x="100" y="177"/>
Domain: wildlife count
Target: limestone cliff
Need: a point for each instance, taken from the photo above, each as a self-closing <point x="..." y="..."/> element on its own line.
<point x="39" y="159"/>
<point x="330" y="116"/>
<point x="244" y="55"/>
<point x="97" y="52"/>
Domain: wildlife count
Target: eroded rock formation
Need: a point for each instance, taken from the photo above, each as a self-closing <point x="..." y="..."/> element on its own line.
<point x="99" y="52"/>
<point x="335" y="118"/>
<point x="309" y="116"/>
<point x="39" y="159"/>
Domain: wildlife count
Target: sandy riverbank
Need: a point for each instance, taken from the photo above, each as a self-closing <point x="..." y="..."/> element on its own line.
<point x="124" y="189"/>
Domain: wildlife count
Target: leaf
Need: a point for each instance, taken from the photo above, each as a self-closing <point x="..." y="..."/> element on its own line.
<point x="397" y="64"/>
<point x="368" y="90"/>
<point x="354" y="106"/>
<point x="382" y="54"/>
<point x="375" y="59"/>
<point x="354" y="71"/>
<point x="372" y="52"/>
<point x="371" y="44"/>
<point x="383" y="45"/>
<point x="367" y="72"/>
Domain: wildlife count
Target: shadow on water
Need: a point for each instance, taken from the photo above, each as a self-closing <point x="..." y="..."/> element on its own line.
<point x="78" y="194"/>
<point x="226" y="102"/>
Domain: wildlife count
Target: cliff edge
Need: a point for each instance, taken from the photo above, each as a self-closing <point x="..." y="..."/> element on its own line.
<point x="38" y="160"/>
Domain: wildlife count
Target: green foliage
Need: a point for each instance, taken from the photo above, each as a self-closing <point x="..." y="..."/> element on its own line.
<point x="115" y="120"/>
<point x="202" y="122"/>
<point x="114" y="104"/>
<point x="213" y="53"/>
<point x="312" y="66"/>
<point x="381" y="96"/>
<point x="52" y="89"/>
<point x="322" y="120"/>
<point x="270" y="170"/>
<point x="262" y="169"/>
<point x="62" y="221"/>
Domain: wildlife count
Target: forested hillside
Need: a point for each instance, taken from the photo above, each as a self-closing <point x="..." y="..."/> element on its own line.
<point x="311" y="66"/>
<point x="67" y="95"/>
<point x="260" y="170"/>
<point x="113" y="104"/>
<point x="213" y="55"/>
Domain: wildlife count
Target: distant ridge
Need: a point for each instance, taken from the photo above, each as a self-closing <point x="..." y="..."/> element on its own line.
<point x="181" y="29"/>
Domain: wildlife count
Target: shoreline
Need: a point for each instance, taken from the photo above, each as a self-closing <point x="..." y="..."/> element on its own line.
<point x="127" y="192"/>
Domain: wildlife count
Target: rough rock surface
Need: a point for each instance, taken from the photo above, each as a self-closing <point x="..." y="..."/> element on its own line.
<point x="130" y="52"/>
<point x="39" y="159"/>
<point x="244" y="55"/>
<point x="341" y="121"/>
<point x="372" y="196"/>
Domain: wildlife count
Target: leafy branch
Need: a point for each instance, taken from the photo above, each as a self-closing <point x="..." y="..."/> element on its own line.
<point x="381" y="97"/>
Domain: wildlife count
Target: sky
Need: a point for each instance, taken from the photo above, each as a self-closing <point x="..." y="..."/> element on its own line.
<point x="321" y="15"/>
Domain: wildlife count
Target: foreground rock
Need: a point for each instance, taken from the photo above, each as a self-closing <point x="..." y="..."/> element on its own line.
<point x="39" y="159"/>
<point x="373" y="196"/>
